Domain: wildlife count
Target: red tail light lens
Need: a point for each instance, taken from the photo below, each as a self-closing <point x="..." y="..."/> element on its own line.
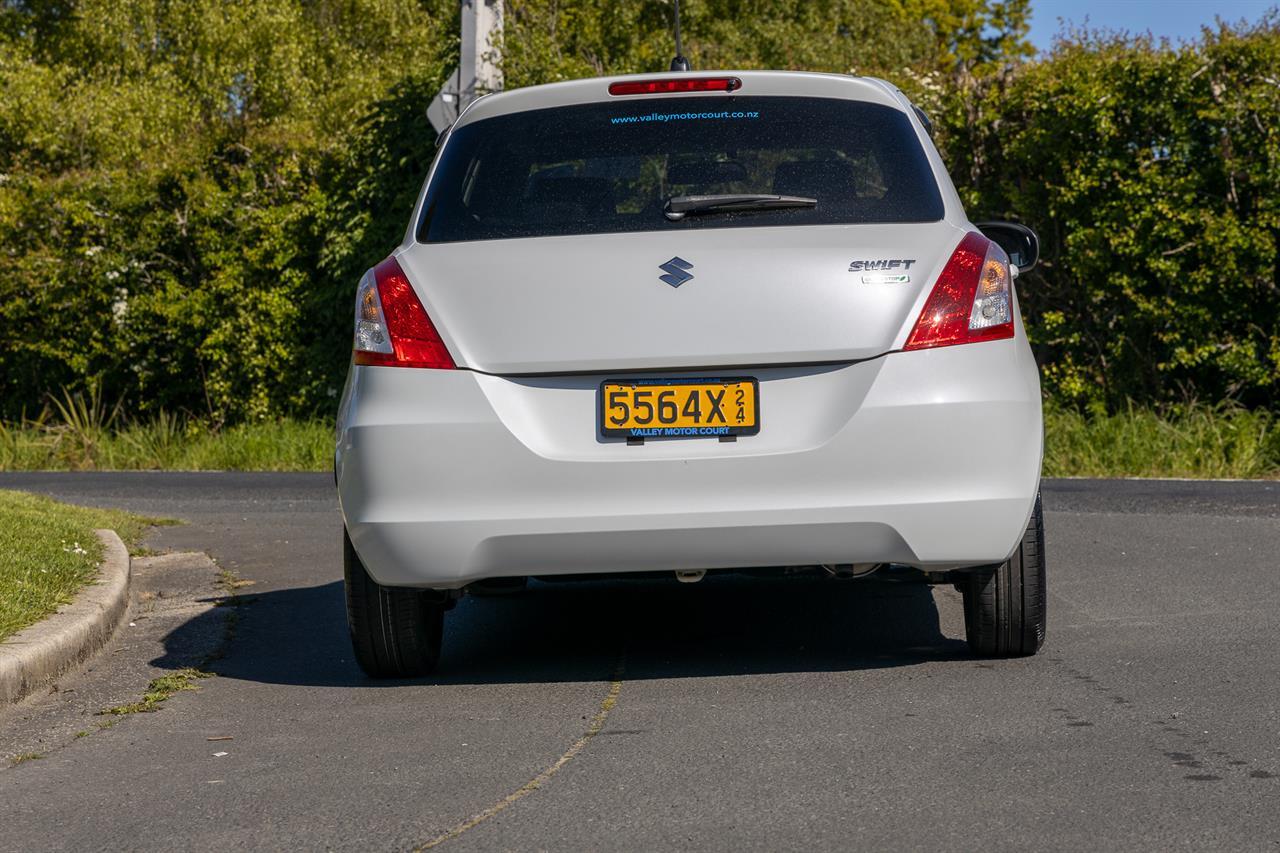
<point x="392" y="327"/>
<point x="676" y="85"/>
<point x="971" y="301"/>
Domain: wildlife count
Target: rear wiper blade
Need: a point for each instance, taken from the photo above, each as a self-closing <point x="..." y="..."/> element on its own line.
<point x="680" y="206"/>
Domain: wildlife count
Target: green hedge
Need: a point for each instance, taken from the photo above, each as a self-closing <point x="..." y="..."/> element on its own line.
<point x="190" y="190"/>
<point x="1153" y="178"/>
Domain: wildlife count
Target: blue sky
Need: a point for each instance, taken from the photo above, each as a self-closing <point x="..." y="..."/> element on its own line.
<point x="1173" y="18"/>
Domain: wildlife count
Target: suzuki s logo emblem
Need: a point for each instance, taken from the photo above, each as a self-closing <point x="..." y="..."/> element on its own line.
<point x="676" y="271"/>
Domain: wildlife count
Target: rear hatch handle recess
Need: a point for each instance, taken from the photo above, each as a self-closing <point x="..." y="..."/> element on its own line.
<point x="680" y="206"/>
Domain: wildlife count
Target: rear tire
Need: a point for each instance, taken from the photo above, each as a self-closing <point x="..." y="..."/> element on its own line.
<point x="1004" y="605"/>
<point x="395" y="631"/>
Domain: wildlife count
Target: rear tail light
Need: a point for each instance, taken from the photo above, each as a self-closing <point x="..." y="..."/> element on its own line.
<point x="392" y="327"/>
<point x="971" y="301"/>
<point x="675" y="85"/>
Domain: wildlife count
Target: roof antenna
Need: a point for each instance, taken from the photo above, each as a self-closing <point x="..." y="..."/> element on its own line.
<point x="679" y="63"/>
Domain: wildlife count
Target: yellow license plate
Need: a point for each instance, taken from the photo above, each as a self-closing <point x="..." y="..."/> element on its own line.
<point x="679" y="408"/>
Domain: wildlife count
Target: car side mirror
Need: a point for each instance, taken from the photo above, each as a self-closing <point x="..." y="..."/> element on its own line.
<point x="1019" y="242"/>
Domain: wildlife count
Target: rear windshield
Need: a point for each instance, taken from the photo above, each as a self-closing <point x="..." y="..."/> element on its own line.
<point x="610" y="167"/>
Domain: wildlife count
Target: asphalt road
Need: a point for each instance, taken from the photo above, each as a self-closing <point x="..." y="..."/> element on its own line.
<point x="726" y="715"/>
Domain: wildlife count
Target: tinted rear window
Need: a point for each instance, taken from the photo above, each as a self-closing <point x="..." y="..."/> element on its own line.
<point x="610" y="167"/>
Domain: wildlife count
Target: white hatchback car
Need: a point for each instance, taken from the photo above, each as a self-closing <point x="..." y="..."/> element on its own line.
<point x="690" y="322"/>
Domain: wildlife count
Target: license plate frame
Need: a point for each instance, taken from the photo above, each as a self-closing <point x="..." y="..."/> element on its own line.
<point x="654" y="429"/>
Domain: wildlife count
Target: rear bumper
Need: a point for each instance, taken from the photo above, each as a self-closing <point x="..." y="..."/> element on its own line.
<point x="929" y="458"/>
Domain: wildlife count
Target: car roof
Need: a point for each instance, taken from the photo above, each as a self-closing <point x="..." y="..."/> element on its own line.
<point x="596" y="89"/>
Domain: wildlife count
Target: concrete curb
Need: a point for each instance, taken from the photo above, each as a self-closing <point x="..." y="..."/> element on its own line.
<point x="35" y="656"/>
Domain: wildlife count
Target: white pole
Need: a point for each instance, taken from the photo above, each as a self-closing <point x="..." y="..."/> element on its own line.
<point x="479" y="70"/>
<point x="481" y="48"/>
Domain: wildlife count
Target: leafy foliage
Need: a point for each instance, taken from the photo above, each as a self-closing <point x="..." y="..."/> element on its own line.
<point x="1153" y="177"/>
<point x="179" y="181"/>
<point x="189" y="189"/>
<point x="548" y="41"/>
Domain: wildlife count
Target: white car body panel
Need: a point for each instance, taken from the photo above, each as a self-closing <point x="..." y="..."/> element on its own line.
<point x="593" y="302"/>
<point x="867" y="454"/>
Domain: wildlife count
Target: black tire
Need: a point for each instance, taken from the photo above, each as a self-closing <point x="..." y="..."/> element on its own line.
<point x="1004" y="605"/>
<point x="396" y="631"/>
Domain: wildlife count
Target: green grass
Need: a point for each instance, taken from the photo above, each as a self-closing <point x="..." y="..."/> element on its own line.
<point x="165" y="443"/>
<point x="82" y="434"/>
<point x="48" y="551"/>
<point x="159" y="690"/>
<point x="1198" y="442"/>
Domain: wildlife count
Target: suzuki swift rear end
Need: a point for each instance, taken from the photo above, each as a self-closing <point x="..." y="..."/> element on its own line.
<point x="684" y="323"/>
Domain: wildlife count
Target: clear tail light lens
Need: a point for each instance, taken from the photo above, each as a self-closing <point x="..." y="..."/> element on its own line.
<point x="392" y="327"/>
<point x="971" y="301"/>
<point x="371" y="326"/>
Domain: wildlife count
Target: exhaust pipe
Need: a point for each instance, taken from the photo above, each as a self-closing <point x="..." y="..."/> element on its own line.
<point x="849" y="571"/>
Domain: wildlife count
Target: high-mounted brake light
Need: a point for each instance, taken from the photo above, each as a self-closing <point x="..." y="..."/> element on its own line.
<point x="971" y="301"/>
<point x="675" y="85"/>
<point x="392" y="327"/>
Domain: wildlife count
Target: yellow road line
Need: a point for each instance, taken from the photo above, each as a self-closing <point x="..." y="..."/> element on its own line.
<point x="593" y="729"/>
